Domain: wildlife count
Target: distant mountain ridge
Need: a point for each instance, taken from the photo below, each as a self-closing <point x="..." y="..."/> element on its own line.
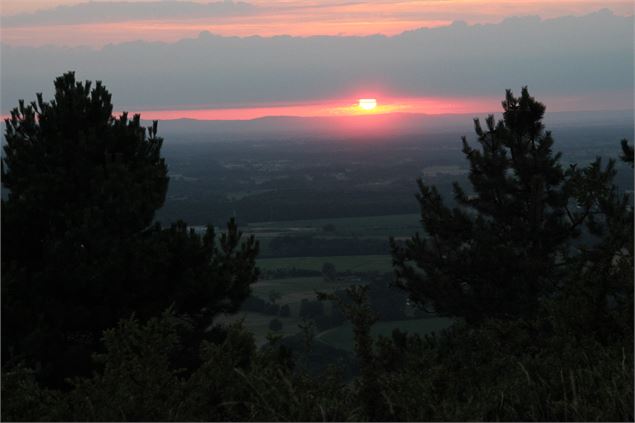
<point x="373" y="125"/>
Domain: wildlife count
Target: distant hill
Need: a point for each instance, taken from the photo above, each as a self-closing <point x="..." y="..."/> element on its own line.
<point x="370" y="126"/>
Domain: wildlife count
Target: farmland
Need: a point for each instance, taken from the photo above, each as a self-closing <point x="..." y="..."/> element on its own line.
<point x="365" y="263"/>
<point x="336" y="203"/>
<point x="342" y="337"/>
<point x="365" y="226"/>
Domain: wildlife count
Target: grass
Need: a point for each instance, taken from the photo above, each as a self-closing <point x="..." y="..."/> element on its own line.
<point x="338" y="337"/>
<point x="370" y="226"/>
<point x="294" y="289"/>
<point x="380" y="263"/>
<point x="258" y="324"/>
<point x="342" y="336"/>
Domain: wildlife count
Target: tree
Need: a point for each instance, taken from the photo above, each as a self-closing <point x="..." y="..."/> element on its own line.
<point x="275" y="325"/>
<point x="596" y="298"/>
<point x="329" y="227"/>
<point x="79" y="250"/>
<point x="329" y="272"/>
<point x="389" y="303"/>
<point x="72" y="171"/>
<point x="627" y="152"/>
<point x="274" y="296"/>
<point x="285" y="311"/>
<point x="502" y="248"/>
<point x="311" y="309"/>
<point x="362" y="318"/>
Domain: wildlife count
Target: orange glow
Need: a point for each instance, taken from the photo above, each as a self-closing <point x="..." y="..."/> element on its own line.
<point x="389" y="106"/>
<point x="428" y="105"/>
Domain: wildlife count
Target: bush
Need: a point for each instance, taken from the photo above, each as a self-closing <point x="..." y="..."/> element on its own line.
<point x="137" y="382"/>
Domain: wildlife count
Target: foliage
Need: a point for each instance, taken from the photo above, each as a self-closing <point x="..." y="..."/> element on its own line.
<point x="329" y="272"/>
<point x="329" y="227"/>
<point x="362" y="319"/>
<point x="381" y="263"/>
<point x="286" y="272"/>
<point x="502" y="371"/>
<point x="23" y="399"/>
<point x="503" y="247"/>
<point x="274" y="296"/>
<point x="259" y="305"/>
<point x="137" y="382"/>
<point x="285" y="311"/>
<point x="314" y="246"/>
<point x="388" y="302"/>
<point x="627" y="152"/>
<point x="596" y="297"/>
<point x="78" y="249"/>
<point x="311" y="309"/>
<point x="566" y="356"/>
<point x="275" y="325"/>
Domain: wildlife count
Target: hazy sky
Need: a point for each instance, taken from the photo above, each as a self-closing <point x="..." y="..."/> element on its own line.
<point x="463" y="57"/>
<point x="95" y="23"/>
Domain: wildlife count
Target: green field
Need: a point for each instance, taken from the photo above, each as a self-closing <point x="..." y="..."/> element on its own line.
<point x="294" y="289"/>
<point x="373" y="226"/>
<point x="342" y="336"/>
<point x="338" y="337"/>
<point x="379" y="263"/>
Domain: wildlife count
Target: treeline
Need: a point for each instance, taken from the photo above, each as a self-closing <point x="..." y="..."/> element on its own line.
<point x="388" y="303"/>
<point x="312" y="246"/>
<point x="107" y="317"/>
<point x="259" y="305"/>
<point x="291" y="203"/>
<point x="288" y="272"/>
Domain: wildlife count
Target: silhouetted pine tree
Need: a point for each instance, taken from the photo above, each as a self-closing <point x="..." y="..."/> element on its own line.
<point x="502" y="248"/>
<point x="78" y="248"/>
<point x="597" y="296"/>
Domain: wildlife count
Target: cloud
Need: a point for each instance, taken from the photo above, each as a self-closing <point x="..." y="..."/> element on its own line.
<point x="122" y="11"/>
<point x="97" y="23"/>
<point x="568" y="56"/>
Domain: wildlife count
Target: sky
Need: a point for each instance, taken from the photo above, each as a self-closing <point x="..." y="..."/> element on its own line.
<point x="243" y="60"/>
<point x="95" y="23"/>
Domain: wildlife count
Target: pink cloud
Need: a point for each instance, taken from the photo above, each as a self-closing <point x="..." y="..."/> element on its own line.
<point x="293" y="17"/>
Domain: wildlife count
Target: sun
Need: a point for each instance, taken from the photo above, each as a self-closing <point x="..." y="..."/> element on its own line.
<point x="367" y="103"/>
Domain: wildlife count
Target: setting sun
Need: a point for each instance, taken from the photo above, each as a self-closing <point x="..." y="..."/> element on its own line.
<point x="367" y="103"/>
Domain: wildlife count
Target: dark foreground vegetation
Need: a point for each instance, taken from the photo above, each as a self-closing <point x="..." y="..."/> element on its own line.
<point x="107" y="316"/>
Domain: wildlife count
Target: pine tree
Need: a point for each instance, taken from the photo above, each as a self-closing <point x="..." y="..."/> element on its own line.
<point x="597" y="296"/>
<point x="502" y="248"/>
<point x="79" y="250"/>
